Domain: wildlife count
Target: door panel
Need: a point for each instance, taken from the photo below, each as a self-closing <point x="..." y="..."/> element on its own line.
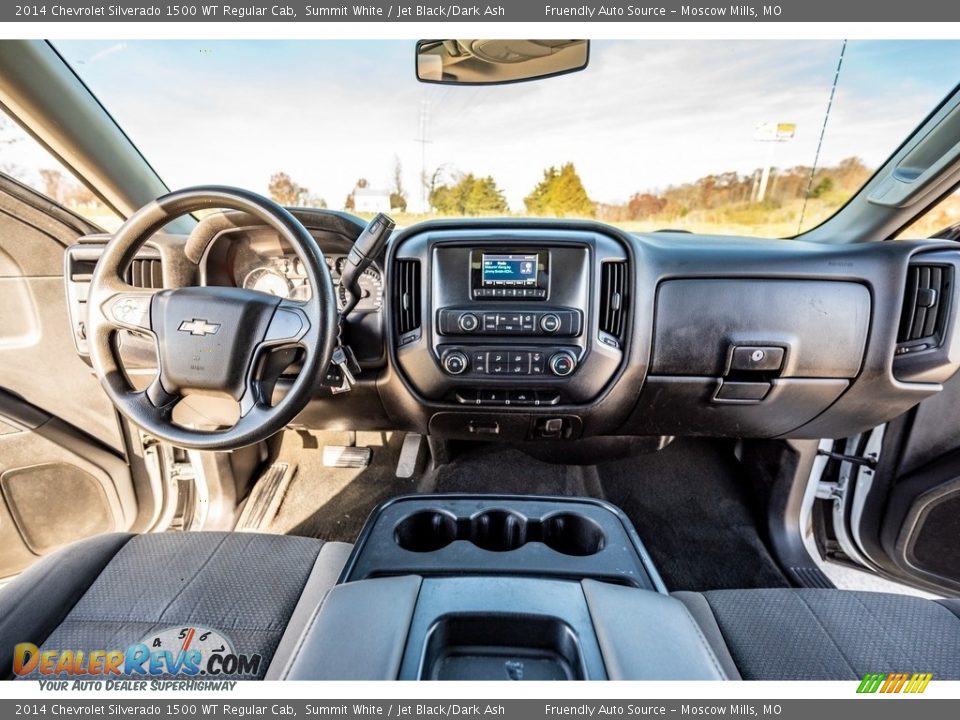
<point x="57" y="486"/>
<point x="909" y="526"/>
<point x="920" y="527"/>
<point x="38" y="361"/>
<point x="63" y="476"/>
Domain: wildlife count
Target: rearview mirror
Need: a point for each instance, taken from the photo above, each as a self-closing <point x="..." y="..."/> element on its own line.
<point x="489" y="62"/>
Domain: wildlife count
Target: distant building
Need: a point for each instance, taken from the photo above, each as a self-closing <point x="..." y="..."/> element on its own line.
<point x="371" y="200"/>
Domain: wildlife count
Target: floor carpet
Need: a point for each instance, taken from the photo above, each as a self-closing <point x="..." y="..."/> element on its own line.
<point x="688" y="501"/>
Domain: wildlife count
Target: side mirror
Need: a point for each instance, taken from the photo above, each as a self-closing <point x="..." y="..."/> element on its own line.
<point x="491" y="62"/>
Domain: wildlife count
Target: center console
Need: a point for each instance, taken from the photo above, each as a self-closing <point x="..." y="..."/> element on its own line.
<point x="472" y="587"/>
<point x="446" y="535"/>
<point x="510" y="319"/>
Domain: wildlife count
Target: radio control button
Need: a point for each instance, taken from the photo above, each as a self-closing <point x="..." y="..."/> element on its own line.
<point x="468" y="322"/>
<point x="550" y="323"/>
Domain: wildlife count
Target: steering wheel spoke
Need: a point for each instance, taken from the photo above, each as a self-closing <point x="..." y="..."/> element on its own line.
<point x="288" y="326"/>
<point x="158" y="395"/>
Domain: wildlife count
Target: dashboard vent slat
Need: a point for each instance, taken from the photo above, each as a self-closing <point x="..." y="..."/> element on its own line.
<point x="145" y="273"/>
<point x="924" y="303"/>
<point x="406" y="298"/>
<point x="614" y="287"/>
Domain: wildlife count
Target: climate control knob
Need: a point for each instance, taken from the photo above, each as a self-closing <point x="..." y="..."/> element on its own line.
<point x="455" y="362"/>
<point x="468" y="322"/>
<point x="563" y="363"/>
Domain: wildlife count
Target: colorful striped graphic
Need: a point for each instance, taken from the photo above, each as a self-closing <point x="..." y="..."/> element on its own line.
<point x="894" y="682"/>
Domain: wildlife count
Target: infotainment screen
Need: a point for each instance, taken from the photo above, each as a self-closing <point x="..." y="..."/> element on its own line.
<point x="509" y="270"/>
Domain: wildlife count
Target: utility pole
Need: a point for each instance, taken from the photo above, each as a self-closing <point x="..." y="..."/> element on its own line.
<point x="770" y="133"/>
<point x="424" y="140"/>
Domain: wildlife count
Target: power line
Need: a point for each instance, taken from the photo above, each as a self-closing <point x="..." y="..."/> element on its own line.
<point x="823" y="131"/>
<point x="424" y="140"/>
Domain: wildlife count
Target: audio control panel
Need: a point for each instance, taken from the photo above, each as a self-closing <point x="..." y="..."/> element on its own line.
<point x="558" y="322"/>
<point x="509" y="316"/>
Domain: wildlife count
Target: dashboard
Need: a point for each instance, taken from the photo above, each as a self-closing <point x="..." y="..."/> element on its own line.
<point x="526" y="330"/>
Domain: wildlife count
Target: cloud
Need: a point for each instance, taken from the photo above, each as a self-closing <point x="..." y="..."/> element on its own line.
<point x="107" y="52"/>
<point x="644" y="115"/>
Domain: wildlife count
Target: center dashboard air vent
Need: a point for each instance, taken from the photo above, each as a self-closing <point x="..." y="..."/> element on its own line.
<point x="925" y="307"/>
<point x="614" y="293"/>
<point x="406" y="299"/>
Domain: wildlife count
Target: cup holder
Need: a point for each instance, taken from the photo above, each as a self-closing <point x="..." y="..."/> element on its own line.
<point x="426" y="531"/>
<point x="499" y="530"/>
<point x="573" y="534"/>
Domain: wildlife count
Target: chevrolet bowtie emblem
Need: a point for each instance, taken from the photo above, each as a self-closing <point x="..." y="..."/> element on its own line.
<point x="198" y="327"/>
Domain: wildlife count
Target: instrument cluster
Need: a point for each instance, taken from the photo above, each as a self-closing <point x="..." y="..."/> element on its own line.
<point x="284" y="276"/>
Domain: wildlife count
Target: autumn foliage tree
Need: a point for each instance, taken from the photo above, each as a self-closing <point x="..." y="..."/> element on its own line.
<point x="351" y="202"/>
<point x="285" y="191"/>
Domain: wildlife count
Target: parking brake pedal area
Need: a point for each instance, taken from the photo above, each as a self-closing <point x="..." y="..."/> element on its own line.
<point x="265" y="498"/>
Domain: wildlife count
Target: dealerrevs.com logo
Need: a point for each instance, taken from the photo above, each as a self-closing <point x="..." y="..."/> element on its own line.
<point x="174" y="652"/>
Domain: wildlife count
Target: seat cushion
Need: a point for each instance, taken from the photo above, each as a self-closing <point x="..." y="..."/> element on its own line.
<point x="242" y="586"/>
<point x="783" y="634"/>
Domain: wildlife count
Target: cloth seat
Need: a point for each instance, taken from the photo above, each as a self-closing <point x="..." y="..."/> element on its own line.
<point x="255" y="591"/>
<point x="813" y="634"/>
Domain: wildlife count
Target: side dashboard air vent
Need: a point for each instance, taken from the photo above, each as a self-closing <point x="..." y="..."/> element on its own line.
<point x="406" y="297"/>
<point x="614" y="293"/>
<point x="145" y="273"/>
<point x="925" y="307"/>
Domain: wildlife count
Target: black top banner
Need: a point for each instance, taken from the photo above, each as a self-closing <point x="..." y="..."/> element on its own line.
<point x="893" y="11"/>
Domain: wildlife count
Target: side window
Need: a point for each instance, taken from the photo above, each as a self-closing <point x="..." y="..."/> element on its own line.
<point x="24" y="159"/>
<point x="942" y="220"/>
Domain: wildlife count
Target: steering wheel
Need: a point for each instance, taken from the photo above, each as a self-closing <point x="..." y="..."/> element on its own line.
<point x="210" y="340"/>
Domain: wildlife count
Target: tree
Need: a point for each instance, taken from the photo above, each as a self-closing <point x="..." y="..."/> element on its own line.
<point x="484" y="198"/>
<point x="823" y="187"/>
<point x="53" y="184"/>
<point x="469" y="195"/>
<point x="398" y="196"/>
<point x="350" y="203"/>
<point x="645" y="205"/>
<point x="285" y="191"/>
<point x="561" y="193"/>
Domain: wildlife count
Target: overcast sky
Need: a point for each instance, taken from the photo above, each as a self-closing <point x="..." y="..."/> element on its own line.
<point x="644" y="115"/>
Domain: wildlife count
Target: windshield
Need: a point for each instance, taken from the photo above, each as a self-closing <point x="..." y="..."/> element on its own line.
<point x="743" y="137"/>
